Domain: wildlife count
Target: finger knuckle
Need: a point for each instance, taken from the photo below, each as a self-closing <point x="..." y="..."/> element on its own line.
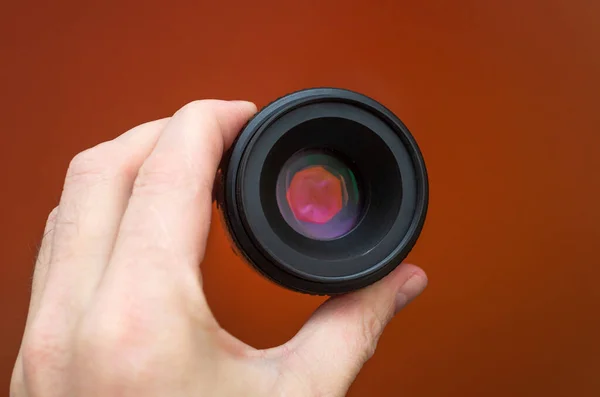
<point x="90" y="161"/>
<point x="97" y="164"/>
<point x="116" y="331"/>
<point x="371" y="327"/>
<point x="162" y="174"/>
<point x="121" y="348"/>
<point x="51" y="221"/>
<point x="52" y="216"/>
<point x="87" y="166"/>
<point x="106" y="330"/>
<point x="42" y="349"/>
<point x="103" y="342"/>
<point x="166" y="173"/>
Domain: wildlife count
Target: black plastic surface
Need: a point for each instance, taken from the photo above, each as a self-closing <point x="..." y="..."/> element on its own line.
<point x="390" y="167"/>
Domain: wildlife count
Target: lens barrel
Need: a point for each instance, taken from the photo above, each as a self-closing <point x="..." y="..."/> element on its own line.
<point x="325" y="191"/>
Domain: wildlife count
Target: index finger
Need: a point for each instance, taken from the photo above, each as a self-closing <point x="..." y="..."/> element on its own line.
<point x="165" y="226"/>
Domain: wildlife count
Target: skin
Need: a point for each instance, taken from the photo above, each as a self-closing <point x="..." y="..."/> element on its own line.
<point x="117" y="305"/>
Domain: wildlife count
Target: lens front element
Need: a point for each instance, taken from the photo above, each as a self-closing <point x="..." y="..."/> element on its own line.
<point x="318" y="195"/>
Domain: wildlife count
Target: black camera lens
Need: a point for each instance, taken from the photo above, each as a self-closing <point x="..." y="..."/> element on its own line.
<point x="324" y="191"/>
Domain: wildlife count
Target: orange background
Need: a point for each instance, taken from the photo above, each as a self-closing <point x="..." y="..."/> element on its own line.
<point x="502" y="96"/>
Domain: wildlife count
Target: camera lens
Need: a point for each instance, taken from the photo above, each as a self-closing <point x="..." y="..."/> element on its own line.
<point x="318" y="195"/>
<point x="324" y="191"/>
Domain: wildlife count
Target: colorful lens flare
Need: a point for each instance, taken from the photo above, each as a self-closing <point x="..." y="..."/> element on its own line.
<point x="318" y="195"/>
<point x="315" y="195"/>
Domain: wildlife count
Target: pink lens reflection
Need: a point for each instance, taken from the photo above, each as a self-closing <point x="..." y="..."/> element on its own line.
<point x="318" y="195"/>
<point x="315" y="195"/>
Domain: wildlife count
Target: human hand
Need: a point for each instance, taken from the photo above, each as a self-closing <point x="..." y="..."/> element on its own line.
<point x="117" y="306"/>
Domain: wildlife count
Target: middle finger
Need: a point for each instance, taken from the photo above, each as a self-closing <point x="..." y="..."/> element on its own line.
<point x="164" y="229"/>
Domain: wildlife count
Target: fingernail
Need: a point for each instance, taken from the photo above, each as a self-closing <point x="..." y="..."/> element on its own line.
<point x="410" y="290"/>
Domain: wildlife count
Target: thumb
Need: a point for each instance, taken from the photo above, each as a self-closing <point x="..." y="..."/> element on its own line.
<point x="342" y="334"/>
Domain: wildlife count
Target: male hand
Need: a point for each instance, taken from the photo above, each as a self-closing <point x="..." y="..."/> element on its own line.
<point x="117" y="307"/>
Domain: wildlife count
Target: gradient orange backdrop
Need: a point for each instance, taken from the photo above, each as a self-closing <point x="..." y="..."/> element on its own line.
<point x="502" y="96"/>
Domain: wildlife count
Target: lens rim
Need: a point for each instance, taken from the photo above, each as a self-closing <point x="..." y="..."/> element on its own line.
<point x="233" y="194"/>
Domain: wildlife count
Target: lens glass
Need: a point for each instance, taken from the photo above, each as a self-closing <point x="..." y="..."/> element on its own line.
<point x="318" y="195"/>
